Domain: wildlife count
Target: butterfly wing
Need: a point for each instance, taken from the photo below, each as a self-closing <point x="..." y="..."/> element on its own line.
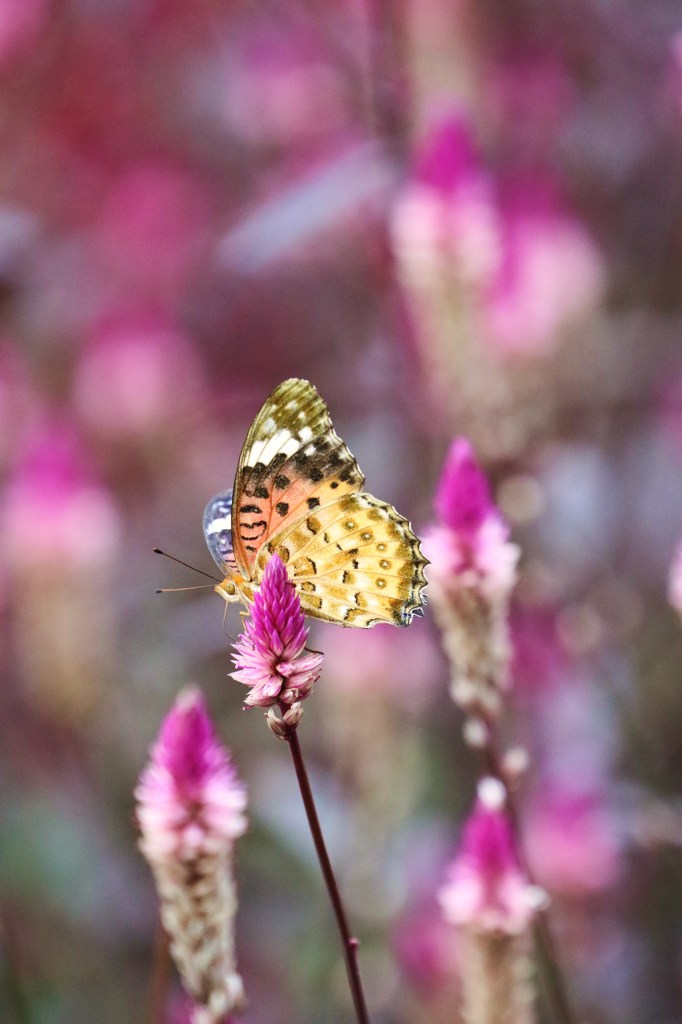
<point x="354" y="561"/>
<point x="218" y="531"/>
<point x="292" y="463"/>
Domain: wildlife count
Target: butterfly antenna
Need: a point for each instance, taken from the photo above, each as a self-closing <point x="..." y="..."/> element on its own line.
<point x="158" y="551"/>
<point x="178" y="590"/>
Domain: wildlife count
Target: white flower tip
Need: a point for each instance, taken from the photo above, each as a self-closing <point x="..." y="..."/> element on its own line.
<point x="538" y="899"/>
<point x="516" y="763"/>
<point x="188" y="697"/>
<point x="476" y="733"/>
<point x="492" y="793"/>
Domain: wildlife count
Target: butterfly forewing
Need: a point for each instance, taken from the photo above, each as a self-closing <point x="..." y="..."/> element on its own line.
<point x="354" y="561"/>
<point x="292" y="463"/>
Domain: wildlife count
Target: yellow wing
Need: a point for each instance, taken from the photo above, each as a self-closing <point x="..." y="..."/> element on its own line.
<point x="354" y="561"/>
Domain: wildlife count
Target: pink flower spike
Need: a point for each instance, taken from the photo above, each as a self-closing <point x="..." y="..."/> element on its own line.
<point x="486" y="889"/>
<point x="269" y="653"/>
<point x="463" y="499"/>
<point x="190" y="810"/>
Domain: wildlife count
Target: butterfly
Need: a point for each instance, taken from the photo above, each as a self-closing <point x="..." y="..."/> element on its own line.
<point x="298" y="492"/>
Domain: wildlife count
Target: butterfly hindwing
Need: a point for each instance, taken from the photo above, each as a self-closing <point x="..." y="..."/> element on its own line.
<point x="218" y="531"/>
<point x="354" y="561"/>
<point x="292" y="463"/>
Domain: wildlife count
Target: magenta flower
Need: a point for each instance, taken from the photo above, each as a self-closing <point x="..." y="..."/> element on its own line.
<point x="269" y="653"/>
<point x="463" y="500"/>
<point x="490" y="900"/>
<point x="486" y="888"/>
<point x="190" y="810"/>
<point x="472" y="575"/>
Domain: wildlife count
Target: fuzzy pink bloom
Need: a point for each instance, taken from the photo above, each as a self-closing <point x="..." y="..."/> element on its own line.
<point x="549" y="275"/>
<point x="472" y="544"/>
<point x="54" y="473"/>
<point x="444" y="224"/>
<point x="486" y="888"/>
<point x="190" y="811"/>
<point x="152" y="370"/>
<point x="269" y="653"/>
<point x="574" y="841"/>
<point x="472" y="574"/>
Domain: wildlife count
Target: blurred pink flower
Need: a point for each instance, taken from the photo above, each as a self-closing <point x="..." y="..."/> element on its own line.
<point x="152" y="371"/>
<point x="675" y="581"/>
<point x="527" y="264"/>
<point x="444" y="223"/>
<point x="527" y="94"/>
<point x="54" y="510"/>
<point x="424" y="946"/>
<point x="471" y="576"/>
<point x="573" y="842"/>
<point x="269" y="653"/>
<point x="463" y="500"/>
<point x="550" y="272"/>
<point x="21" y="22"/>
<point x="486" y="888"/>
<point x="539" y="659"/>
<point x="153" y="227"/>
<point x="190" y="809"/>
<point x="283" y="88"/>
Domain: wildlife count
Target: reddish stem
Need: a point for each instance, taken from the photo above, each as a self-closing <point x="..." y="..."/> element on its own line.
<point x="350" y="943"/>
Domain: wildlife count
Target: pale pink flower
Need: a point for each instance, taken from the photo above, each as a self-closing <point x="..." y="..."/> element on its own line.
<point x="21" y="23"/>
<point x="153" y="226"/>
<point x="490" y="900"/>
<point x="269" y="653"/>
<point x="574" y="841"/>
<point x="486" y="888"/>
<point x="152" y="370"/>
<point x="190" y="810"/>
<point x="444" y="223"/>
<point x="55" y="512"/>
<point x="471" y="576"/>
<point x="550" y="272"/>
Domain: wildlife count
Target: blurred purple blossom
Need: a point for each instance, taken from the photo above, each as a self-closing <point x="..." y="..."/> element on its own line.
<point x="463" y="500"/>
<point x="471" y="547"/>
<point x="153" y="227"/>
<point x="21" y="22"/>
<point x="55" y="511"/>
<point x="444" y="222"/>
<point x="190" y="799"/>
<point x="485" y="887"/>
<point x="574" y="841"/>
<point x="269" y="653"/>
<point x="152" y="371"/>
<point x="190" y="809"/>
<point x="550" y="271"/>
<point x="471" y="575"/>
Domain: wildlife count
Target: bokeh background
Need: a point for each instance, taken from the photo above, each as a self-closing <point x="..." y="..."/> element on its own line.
<point x="454" y="217"/>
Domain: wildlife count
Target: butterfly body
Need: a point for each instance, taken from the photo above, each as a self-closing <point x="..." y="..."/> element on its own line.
<point x="298" y="492"/>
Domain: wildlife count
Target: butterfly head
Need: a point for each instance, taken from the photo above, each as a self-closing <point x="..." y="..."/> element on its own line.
<point x="235" y="588"/>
